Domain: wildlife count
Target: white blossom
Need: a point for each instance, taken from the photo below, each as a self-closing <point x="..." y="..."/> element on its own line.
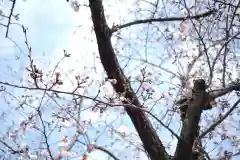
<point x="33" y="157"/>
<point x="123" y="129"/>
<point x="122" y="98"/>
<point x="113" y="81"/>
<point x="108" y="89"/>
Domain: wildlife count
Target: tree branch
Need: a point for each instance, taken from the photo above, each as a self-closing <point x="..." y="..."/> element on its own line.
<point x="220" y="92"/>
<point x="107" y="152"/>
<point x="190" y="126"/>
<point x="202" y="15"/>
<point x="94" y="99"/>
<point x="10" y="16"/>
<point x="151" y="142"/>
<point x="151" y="114"/>
<point x="220" y="120"/>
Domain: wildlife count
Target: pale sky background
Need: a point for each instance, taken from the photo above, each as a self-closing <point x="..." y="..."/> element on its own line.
<point x="54" y="26"/>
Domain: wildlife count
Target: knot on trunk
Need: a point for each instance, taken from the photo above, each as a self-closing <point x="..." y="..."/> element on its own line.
<point x="198" y="88"/>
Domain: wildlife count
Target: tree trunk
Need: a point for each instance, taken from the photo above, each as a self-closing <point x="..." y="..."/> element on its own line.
<point x="151" y="142"/>
<point x="190" y="128"/>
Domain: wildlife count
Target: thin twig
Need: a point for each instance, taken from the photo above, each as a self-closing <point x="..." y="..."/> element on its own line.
<point x="102" y="149"/>
<point x="107" y="151"/>
<point x="220" y="120"/>
<point x="110" y="104"/>
<point x="10" y="16"/>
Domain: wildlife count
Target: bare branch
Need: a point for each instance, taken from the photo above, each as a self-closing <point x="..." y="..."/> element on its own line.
<point x="102" y="149"/>
<point x="235" y="105"/>
<point x="4" y="25"/>
<point x="220" y="92"/>
<point x="45" y="135"/>
<point x="10" y="16"/>
<point x="151" y="114"/>
<point x="10" y="148"/>
<point x="202" y="15"/>
<point x="94" y="98"/>
<point x="203" y="43"/>
<point x="107" y="151"/>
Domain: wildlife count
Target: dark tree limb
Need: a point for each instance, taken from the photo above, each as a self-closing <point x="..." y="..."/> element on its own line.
<point x="216" y="93"/>
<point x="190" y="126"/>
<point x="151" y="142"/>
<point x="167" y="19"/>
<point x="220" y="92"/>
<point x="193" y="113"/>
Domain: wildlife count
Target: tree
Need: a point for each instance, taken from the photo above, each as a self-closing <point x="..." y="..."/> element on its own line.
<point x="194" y="84"/>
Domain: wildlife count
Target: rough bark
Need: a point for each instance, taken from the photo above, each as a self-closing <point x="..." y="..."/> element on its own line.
<point x="151" y="142"/>
<point x="235" y="86"/>
<point x="190" y="127"/>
